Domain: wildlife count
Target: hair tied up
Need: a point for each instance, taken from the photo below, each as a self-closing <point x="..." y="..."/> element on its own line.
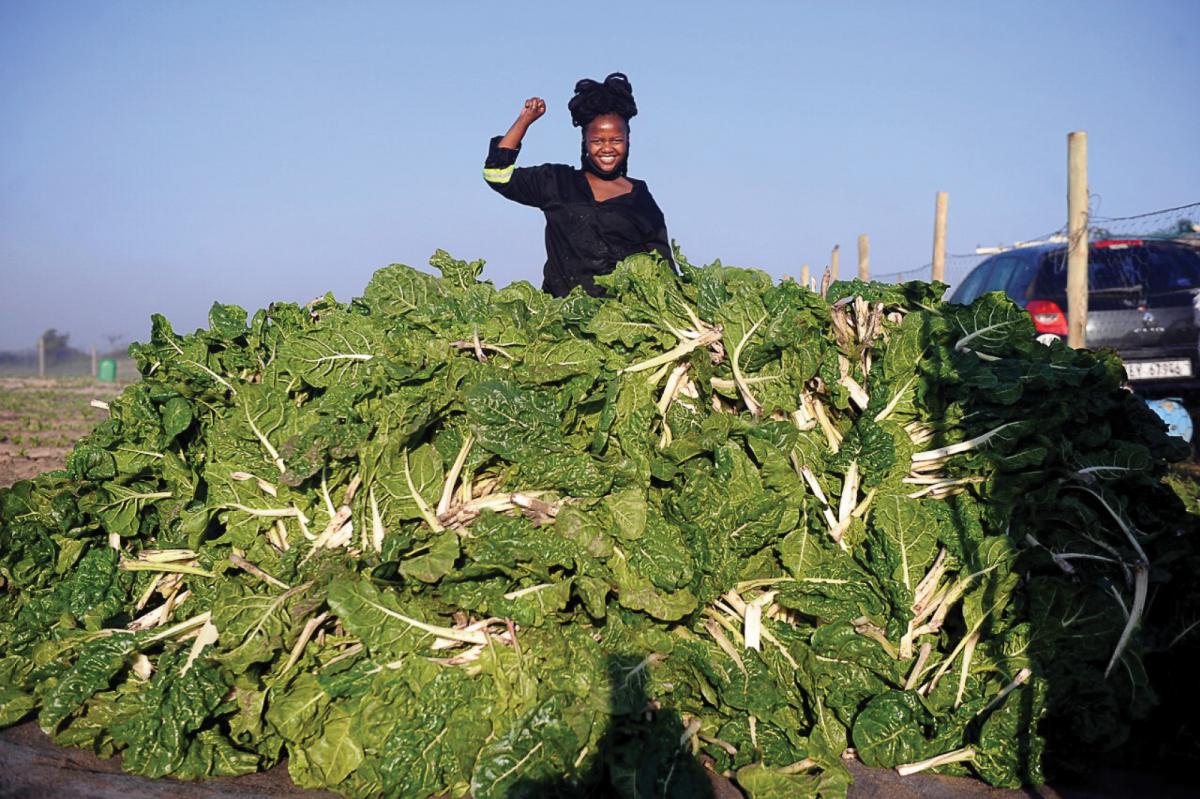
<point x="593" y="99"/>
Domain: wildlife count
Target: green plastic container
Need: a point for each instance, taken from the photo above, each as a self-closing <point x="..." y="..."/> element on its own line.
<point x="107" y="370"/>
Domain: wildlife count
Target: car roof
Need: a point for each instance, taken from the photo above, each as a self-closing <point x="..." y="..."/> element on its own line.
<point x="1051" y="246"/>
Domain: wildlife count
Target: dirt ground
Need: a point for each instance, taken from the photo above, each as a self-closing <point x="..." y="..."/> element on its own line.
<point x="32" y="766"/>
<point x="41" y="417"/>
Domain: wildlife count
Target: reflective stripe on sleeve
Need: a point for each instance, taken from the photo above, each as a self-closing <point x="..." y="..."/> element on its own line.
<point x="498" y="175"/>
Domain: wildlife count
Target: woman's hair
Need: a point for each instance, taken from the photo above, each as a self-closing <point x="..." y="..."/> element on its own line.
<point x="592" y="99"/>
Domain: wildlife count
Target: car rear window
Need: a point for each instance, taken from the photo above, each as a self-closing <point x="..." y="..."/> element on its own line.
<point x="1128" y="273"/>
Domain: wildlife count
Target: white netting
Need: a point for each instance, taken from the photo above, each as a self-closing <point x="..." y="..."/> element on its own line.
<point x="1182" y="223"/>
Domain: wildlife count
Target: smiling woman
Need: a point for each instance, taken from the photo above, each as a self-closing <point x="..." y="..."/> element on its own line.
<point x="596" y="216"/>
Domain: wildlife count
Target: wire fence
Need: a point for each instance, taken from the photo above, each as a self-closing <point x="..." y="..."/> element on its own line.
<point x="1181" y="224"/>
<point x="71" y="364"/>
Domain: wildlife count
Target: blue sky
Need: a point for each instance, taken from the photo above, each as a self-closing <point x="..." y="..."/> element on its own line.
<point x="156" y="157"/>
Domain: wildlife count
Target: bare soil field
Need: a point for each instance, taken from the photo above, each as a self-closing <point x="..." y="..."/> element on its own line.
<point x="40" y="420"/>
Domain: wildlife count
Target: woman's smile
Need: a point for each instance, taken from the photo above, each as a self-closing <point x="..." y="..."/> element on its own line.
<point x="607" y="141"/>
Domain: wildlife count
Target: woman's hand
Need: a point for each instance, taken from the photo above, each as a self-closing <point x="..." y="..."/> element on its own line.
<point x="532" y="112"/>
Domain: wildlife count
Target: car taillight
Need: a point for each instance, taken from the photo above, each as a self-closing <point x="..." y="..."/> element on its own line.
<point x="1048" y="317"/>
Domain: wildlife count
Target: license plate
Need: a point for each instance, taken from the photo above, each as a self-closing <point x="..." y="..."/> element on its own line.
<point x="1152" y="370"/>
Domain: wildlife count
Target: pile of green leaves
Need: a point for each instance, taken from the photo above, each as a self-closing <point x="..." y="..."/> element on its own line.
<point x="449" y="538"/>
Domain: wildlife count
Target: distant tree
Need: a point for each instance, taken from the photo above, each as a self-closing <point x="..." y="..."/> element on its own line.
<point x="58" y="347"/>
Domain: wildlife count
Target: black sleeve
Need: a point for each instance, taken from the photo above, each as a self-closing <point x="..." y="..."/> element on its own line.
<point x="525" y="185"/>
<point x="659" y="241"/>
<point x="661" y="244"/>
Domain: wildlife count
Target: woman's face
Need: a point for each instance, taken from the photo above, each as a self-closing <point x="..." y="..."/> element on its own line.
<point x="607" y="139"/>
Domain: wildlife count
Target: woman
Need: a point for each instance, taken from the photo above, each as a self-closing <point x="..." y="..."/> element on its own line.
<point x="595" y="216"/>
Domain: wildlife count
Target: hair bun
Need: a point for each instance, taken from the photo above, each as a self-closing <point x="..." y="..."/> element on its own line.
<point x="617" y="82"/>
<point x="593" y="99"/>
<point x="586" y="85"/>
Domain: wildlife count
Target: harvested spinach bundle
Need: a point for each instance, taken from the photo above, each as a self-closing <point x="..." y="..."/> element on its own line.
<point x="453" y="538"/>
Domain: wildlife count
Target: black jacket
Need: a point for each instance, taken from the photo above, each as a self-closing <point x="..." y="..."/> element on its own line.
<point x="584" y="238"/>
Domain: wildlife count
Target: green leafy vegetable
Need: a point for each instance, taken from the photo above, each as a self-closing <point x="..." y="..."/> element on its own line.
<point x="448" y="538"/>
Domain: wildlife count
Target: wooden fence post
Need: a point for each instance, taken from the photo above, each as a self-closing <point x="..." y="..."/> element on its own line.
<point x="864" y="269"/>
<point x="804" y="275"/>
<point x="1077" y="236"/>
<point x="95" y="361"/>
<point x="833" y="263"/>
<point x="939" y="238"/>
<point x="42" y="355"/>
